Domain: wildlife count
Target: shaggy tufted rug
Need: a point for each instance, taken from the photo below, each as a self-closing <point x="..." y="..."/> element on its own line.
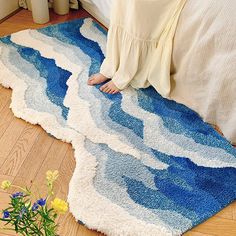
<point x="145" y="165"/>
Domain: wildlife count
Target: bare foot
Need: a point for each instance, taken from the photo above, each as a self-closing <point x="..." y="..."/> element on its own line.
<point x="110" y="88"/>
<point x="97" y="79"/>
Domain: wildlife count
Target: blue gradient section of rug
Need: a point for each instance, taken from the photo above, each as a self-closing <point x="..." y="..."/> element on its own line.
<point x="145" y="165"/>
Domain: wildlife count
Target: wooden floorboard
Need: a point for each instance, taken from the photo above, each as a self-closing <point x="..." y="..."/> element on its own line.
<point x="8" y="141"/>
<point x="27" y="151"/>
<point x="20" y="151"/>
<point x="6" y="118"/>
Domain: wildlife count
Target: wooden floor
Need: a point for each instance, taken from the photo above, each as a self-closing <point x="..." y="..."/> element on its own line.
<point x="27" y="151"/>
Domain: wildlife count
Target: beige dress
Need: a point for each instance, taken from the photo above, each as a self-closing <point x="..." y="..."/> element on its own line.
<point x="140" y="41"/>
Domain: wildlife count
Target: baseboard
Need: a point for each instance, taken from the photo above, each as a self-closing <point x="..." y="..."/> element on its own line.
<point x="8" y="16"/>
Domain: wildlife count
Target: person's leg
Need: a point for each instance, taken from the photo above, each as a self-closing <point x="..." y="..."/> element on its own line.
<point x="112" y="59"/>
<point x="127" y="49"/>
<point x="139" y="45"/>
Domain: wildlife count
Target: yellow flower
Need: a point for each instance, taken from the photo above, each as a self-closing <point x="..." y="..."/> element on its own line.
<point x="59" y="205"/>
<point x="51" y="176"/>
<point x="6" y="184"/>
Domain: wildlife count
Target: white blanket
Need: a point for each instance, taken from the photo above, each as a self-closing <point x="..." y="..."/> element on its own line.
<point x="103" y="5"/>
<point x="204" y="60"/>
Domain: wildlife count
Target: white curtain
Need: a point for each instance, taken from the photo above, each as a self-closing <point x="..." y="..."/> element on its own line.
<point x="27" y="5"/>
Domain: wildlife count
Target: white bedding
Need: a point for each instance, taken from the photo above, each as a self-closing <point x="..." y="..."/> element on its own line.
<point x="204" y="60"/>
<point x="104" y="6"/>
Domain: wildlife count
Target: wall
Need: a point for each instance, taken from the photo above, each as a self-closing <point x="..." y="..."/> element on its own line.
<point x="7" y="7"/>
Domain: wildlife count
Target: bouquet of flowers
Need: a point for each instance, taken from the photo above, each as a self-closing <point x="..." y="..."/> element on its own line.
<point x="29" y="216"/>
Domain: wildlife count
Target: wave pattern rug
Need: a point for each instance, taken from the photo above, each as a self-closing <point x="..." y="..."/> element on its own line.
<point x="145" y="165"/>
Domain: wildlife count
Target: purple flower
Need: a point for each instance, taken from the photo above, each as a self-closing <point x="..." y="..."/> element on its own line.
<point x="41" y="202"/>
<point x="17" y="194"/>
<point x="35" y="207"/>
<point x="6" y="214"/>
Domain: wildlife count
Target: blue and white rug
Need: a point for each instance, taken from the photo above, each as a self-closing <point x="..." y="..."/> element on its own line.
<point x="145" y="165"/>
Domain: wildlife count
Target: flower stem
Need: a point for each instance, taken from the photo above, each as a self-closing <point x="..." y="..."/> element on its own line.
<point x="22" y="189"/>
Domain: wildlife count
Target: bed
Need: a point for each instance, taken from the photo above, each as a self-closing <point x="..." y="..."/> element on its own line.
<point x="100" y="9"/>
<point x="203" y="74"/>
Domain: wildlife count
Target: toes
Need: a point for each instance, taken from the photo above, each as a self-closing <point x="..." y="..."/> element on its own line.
<point x="115" y="91"/>
<point x="96" y="79"/>
<point x="109" y="91"/>
<point x="90" y="80"/>
<point x="104" y="88"/>
<point x="109" y="88"/>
